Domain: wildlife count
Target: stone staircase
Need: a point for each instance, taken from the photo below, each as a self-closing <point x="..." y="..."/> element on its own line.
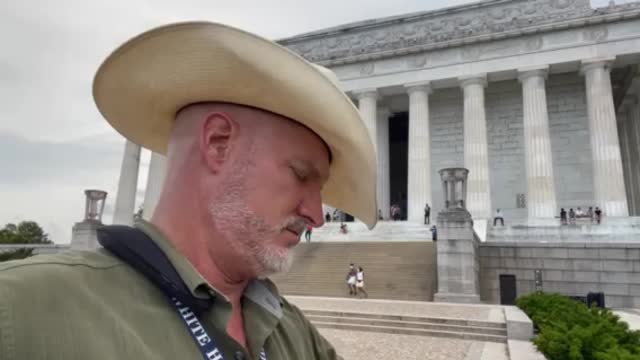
<point x="393" y="270"/>
<point x="410" y="325"/>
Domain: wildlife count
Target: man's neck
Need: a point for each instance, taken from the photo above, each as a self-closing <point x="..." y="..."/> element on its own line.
<point x="195" y="247"/>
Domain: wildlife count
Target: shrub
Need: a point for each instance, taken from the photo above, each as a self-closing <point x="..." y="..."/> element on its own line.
<point x="569" y="330"/>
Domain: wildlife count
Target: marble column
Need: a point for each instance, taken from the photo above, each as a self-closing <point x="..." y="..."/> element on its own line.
<point x="636" y="150"/>
<point x="419" y="155"/>
<point x="541" y="196"/>
<point x="155" y="180"/>
<point x="127" y="185"/>
<point x="476" y="154"/>
<point x="635" y="133"/>
<point x="367" y="104"/>
<point x="623" y="130"/>
<point x="608" y="179"/>
<point x="384" y="182"/>
<point x="629" y="135"/>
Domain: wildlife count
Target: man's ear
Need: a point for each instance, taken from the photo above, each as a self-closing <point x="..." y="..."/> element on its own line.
<point x="218" y="130"/>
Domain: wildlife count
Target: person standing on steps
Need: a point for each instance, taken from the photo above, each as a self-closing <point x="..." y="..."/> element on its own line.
<point x="598" y="213"/>
<point x="307" y="234"/>
<point x="427" y="214"/>
<point x="351" y="280"/>
<point x="360" y="283"/>
<point x="498" y="217"/>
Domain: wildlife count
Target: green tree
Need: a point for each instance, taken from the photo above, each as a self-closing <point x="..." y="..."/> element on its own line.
<point x="26" y="232"/>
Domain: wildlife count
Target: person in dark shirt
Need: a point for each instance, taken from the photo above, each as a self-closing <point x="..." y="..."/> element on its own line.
<point x="598" y="215"/>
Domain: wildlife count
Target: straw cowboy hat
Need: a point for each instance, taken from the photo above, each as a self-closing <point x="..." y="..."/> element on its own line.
<point x="142" y="84"/>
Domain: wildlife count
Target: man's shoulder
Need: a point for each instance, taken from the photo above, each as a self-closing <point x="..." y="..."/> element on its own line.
<point x="45" y="268"/>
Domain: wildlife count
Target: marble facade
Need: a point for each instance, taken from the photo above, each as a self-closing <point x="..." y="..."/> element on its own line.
<point x="539" y="99"/>
<point x="410" y="64"/>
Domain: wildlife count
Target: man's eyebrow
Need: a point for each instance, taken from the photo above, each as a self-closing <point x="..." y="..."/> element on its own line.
<point x="310" y="169"/>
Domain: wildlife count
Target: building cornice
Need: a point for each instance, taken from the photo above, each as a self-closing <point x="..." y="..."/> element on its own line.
<point x="452" y="27"/>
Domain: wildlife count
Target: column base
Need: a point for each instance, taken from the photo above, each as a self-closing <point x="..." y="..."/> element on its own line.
<point x="456" y="298"/>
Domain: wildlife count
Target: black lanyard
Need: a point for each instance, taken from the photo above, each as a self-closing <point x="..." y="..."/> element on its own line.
<point x="136" y="249"/>
<point x="206" y="343"/>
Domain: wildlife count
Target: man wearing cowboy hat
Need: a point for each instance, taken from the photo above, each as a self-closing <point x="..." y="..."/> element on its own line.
<point x="256" y="140"/>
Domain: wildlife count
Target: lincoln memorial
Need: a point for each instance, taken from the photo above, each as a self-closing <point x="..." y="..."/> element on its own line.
<point x="539" y="99"/>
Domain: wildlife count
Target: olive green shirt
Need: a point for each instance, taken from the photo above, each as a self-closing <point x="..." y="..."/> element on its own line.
<point x="91" y="305"/>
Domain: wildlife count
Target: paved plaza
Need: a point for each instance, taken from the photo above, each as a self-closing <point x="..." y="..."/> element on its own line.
<point x="365" y="337"/>
<point x="354" y="345"/>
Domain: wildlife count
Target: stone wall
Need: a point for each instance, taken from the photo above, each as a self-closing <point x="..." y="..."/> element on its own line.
<point x="570" y="269"/>
<point x="570" y="142"/>
<point x="503" y="103"/>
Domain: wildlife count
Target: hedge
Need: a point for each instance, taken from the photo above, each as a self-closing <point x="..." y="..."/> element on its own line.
<point x="569" y="330"/>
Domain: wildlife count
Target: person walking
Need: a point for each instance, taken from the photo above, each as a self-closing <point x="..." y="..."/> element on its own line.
<point x="360" y="283"/>
<point x="434" y="233"/>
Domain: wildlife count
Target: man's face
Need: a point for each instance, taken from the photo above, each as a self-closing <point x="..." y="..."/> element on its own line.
<point x="270" y="193"/>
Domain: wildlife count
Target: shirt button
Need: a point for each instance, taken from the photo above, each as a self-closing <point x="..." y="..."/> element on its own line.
<point x="239" y="355"/>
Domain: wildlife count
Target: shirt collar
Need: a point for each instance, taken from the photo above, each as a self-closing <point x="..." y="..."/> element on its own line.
<point x="262" y="292"/>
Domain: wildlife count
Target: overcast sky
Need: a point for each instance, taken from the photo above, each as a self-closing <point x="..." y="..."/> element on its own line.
<point x="53" y="142"/>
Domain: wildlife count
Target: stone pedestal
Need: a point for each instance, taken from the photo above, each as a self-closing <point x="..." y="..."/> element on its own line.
<point x="155" y="180"/>
<point x="419" y="156"/>
<point x="608" y="178"/>
<point x="84" y="235"/>
<point x="476" y="151"/>
<point x="127" y="185"/>
<point x="457" y="247"/>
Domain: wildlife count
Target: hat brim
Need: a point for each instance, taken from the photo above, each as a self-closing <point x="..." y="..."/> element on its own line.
<point x="141" y="86"/>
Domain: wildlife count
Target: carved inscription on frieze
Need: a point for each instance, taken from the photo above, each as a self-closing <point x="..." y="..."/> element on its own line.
<point x="442" y="26"/>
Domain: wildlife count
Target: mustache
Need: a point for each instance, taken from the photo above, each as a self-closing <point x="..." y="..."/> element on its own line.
<point x="296" y="225"/>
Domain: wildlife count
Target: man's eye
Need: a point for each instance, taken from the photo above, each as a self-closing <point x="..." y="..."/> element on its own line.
<point x="299" y="175"/>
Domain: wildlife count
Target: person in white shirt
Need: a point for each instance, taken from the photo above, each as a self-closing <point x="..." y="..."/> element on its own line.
<point x="497" y="217"/>
<point x="360" y="282"/>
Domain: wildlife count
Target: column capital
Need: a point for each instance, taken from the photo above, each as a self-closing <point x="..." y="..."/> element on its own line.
<point x="418" y="86"/>
<point x="478" y="79"/>
<point x="366" y="93"/>
<point x="596" y="63"/>
<point x="534" y="71"/>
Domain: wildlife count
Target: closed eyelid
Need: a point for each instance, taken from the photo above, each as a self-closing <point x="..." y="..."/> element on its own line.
<point x="305" y="170"/>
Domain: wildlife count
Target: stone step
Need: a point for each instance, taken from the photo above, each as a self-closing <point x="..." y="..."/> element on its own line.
<point x="405" y="318"/>
<point x="411" y="331"/>
<point x="407" y="324"/>
<point x="393" y="270"/>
